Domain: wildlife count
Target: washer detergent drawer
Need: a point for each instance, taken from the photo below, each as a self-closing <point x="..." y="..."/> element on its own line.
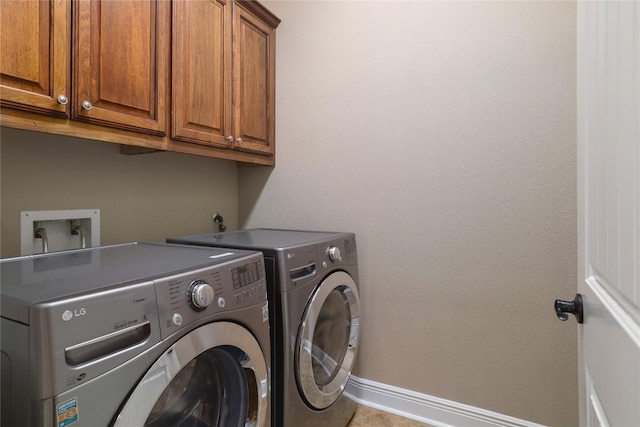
<point x="109" y="344"/>
<point x="83" y="337"/>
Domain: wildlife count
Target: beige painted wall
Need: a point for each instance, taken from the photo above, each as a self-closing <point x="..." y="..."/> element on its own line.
<point x="443" y="134"/>
<point x="141" y="198"/>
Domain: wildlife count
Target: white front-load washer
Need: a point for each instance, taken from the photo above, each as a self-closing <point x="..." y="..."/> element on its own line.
<point x="135" y="335"/>
<point x="312" y="280"/>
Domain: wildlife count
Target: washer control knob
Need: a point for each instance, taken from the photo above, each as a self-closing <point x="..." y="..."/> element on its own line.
<point x="176" y="319"/>
<point x="200" y="295"/>
<point x="334" y="253"/>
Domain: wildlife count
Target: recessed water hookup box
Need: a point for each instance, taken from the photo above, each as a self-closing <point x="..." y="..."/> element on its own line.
<point x="50" y="231"/>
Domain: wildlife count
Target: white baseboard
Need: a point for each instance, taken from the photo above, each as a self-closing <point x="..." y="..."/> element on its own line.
<point x="427" y="409"/>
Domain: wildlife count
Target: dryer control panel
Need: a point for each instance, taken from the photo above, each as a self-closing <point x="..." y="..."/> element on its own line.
<point x="303" y="264"/>
<point x="189" y="297"/>
<point x="338" y="251"/>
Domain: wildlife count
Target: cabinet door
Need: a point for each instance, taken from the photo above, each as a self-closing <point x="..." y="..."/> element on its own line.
<point x="120" y="63"/>
<point x="201" y="69"/>
<point x="34" y="63"/>
<point x="254" y="43"/>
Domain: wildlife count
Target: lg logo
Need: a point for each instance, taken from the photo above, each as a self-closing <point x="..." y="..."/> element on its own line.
<point x="68" y="314"/>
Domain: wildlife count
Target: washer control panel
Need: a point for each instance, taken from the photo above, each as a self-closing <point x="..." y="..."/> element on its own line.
<point x="334" y="253"/>
<point x="189" y="297"/>
<point x="200" y="295"/>
<point x="248" y="281"/>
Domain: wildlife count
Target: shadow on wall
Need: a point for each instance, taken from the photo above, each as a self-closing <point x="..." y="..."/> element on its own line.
<point x="251" y="182"/>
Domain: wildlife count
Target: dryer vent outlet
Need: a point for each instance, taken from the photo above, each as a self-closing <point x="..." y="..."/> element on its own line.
<point x="217" y="218"/>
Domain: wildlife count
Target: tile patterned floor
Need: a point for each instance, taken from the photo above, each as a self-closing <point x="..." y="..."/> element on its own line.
<point x="369" y="417"/>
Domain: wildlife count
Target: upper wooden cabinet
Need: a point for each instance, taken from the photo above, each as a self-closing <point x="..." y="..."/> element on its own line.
<point x="35" y="55"/>
<point x="195" y="76"/>
<point x="224" y="83"/>
<point x="119" y="63"/>
<point x="201" y="80"/>
<point x="119" y="67"/>
<point x="254" y="78"/>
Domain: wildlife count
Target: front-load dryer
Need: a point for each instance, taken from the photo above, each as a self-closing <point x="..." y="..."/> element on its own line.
<point x="135" y="335"/>
<point x="312" y="280"/>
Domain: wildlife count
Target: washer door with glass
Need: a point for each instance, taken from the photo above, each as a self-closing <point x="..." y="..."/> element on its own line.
<point x="328" y="340"/>
<point x="214" y="376"/>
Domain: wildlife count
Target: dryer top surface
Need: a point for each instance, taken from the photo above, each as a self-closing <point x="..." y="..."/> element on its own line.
<point x="263" y="239"/>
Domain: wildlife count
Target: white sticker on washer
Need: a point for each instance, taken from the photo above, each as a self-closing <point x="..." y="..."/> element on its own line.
<point x="221" y="255"/>
<point x="265" y="313"/>
<point x="67" y="412"/>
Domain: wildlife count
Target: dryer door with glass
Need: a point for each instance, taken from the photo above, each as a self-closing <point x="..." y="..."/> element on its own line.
<point x="216" y="375"/>
<point x="328" y="340"/>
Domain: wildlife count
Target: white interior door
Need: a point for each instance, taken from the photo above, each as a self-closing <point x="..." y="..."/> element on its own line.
<point x="609" y="211"/>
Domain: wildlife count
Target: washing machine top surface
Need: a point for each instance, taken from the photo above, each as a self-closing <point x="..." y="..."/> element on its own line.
<point x="259" y="238"/>
<point x="29" y="280"/>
